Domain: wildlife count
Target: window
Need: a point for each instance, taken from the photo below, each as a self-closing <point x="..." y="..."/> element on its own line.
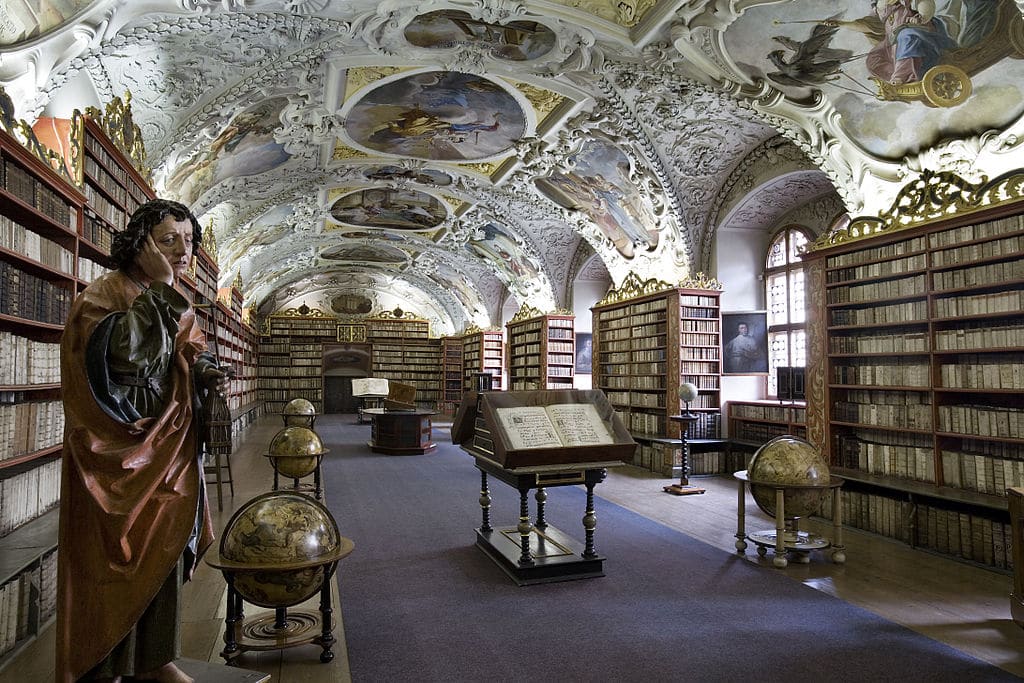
<point x="787" y="310"/>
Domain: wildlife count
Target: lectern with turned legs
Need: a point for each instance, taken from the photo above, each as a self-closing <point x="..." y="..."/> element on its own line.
<point x="534" y="441"/>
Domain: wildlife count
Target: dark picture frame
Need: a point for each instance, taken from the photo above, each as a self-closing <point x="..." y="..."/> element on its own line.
<point x="584" y="353"/>
<point x="745" y="354"/>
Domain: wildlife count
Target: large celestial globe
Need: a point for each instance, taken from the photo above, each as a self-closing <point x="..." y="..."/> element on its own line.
<point x="296" y="451"/>
<point x="793" y="462"/>
<point x="277" y="546"/>
<point x="299" y="412"/>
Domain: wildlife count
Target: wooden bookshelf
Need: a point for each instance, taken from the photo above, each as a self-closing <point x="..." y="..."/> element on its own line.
<point x="40" y="217"/>
<point x="916" y="373"/>
<point x="451" y="359"/>
<point x="541" y="350"/>
<point x="403" y="351"/>
<point x="649" y="337"/>
<point x="483" y="351"/>
<point x="754" y="423"/>
<point x="291" y="356"/>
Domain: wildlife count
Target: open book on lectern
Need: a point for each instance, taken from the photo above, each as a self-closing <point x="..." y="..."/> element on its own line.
<point x="558" y="425"/>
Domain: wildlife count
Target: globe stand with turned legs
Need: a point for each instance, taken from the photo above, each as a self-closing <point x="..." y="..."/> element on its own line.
<point x="786" y="537"/>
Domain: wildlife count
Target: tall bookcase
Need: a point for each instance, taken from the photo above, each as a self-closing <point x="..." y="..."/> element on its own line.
<point x="649" y="337"/>
<point x="483" y="351"/>
<point x="541" y="350"/>
<point x="291" y="356"/>
<point x="40" y="219"/>
<point x="402" y="350"/>
<point x="238" y="345"/>
<point x="451" y="358"/>
<point x="916" y="369"/>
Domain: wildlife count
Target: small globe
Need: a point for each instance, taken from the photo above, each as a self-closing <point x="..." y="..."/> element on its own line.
<point x="792" y="461"/>
<point x="688" y="392"/>
<point x="296" y="451"/>
<point x="299" y="412"/>
<point x="277" y="546"/>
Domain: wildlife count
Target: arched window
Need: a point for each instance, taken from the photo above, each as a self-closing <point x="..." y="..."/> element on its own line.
<point x="784" y="277"/>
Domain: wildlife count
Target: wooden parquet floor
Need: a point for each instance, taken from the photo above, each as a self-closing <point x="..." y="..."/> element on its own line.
<point x="962" y="605"/>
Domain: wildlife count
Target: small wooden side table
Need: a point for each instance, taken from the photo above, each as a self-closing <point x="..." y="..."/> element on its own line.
<point x="786" y="537"/>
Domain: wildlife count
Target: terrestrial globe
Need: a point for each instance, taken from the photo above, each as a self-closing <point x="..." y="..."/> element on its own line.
<point x="277" y="546"/>
<point x="299" y="412"/>
<point x="688" y="392"/>
<point x="791" y="462"/>
<point x="296" y="451"/>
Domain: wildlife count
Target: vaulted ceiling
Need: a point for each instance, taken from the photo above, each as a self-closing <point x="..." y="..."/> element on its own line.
<point x="445" y="157"/>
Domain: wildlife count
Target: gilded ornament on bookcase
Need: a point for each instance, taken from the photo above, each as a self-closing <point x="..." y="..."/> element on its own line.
<point x="701" y="281"/>
<point x="816" y="340"/>
<point x="302" y="311"/>
<point x="351" y="332"/>
<point x="22" y="132"/>
<point x="632" y="287"/>
<point x="398" y="314"/>
<point x="525" y="313"/>
<point x="126" y="135"/>
<point x="932" y="196"/>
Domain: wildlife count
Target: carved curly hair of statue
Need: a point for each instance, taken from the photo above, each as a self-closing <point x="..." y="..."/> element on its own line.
<point x="128" y="243"/>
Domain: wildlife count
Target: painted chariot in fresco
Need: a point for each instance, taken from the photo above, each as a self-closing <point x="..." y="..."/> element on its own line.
<point x="948" y="83"/>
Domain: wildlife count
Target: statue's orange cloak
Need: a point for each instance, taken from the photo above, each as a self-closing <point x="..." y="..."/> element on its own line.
<point x="129" y="491"/>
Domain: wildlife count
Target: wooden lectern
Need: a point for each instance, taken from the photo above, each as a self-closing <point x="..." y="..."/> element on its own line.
<point x="538" y="440"/>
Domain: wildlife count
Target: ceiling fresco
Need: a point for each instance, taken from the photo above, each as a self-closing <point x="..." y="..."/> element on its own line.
<point x="461" y="158"/>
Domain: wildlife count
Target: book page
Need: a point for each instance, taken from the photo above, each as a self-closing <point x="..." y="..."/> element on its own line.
<point x="370" y="386"/>
<point x="579" y="424"/>
<point x="528" y="427"/>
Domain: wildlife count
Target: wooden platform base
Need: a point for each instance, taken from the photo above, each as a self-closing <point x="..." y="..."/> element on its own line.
<point x="207" y="672"/>
<point x="556" y="557"/>
<point x="680" y="490"/>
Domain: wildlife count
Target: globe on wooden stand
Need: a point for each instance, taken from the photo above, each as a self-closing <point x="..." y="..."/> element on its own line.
<point x="296" y="452"/>
<point x="788" y="480"/>
<point x="277" y="551"/>
<point x="299" y="412"/>
<point x="687" y="392"/>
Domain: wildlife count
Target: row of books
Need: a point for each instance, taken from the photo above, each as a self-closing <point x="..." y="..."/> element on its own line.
<point x="912" y="342"/>
<point x="89" y="270"/>
<point x="880" y="253"/>
<point x="906" y="312"/>
<point x="757" y="432"/>
<point x="36" y="194"/>
<point x="891" y="416"/>
<point x="878" y="269"/>
<point x="28" y="493"/>
<point x="907" y="461"/>
<point x="980" y="335"/>
<point x="102" y="177"/>
<point x="289" y="371"/>
<point x="98" y="232"/>
<point x="106" y="209"/>
<point x="1008" y="246"/>
<point x="23" y="295"/>
<point x="30" y="426"/>
<point x="17" y="238"/>
<point x="980" y="304"/>
<point x="767" y="412"/>
<point x="981" y="473"/>
<point x="874" y="291"/>
<point x="890" y="374"/>
<point x="687" y="312"/>
<point x="979" y="420"/>
<point x="26" y="361"/>
<point x="978" y="276"/>
<point x="999" y="371"/>
<point x="979" y="231"/>
<point x="19" y="613"/>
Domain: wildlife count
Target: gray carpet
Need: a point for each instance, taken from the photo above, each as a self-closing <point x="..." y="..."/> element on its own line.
<point x="421" y="603"/>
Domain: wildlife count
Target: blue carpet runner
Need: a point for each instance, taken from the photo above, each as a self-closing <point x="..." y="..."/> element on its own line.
<point x="421" y="602"/>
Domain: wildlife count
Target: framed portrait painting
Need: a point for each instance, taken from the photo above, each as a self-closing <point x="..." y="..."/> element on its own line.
<point x="745" y="343"/>
<point x="584" y="353"/>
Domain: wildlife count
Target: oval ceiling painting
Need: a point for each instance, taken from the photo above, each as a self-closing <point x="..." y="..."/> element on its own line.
<point x="424" y="176"/>
<point x="390" y="209"/>
<point x="445" y="29"/>
<point x="351" y="304"/>
<point x="437" y="116"/>
<point x="24" y="20"/>
<point x="364" y="254"/>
